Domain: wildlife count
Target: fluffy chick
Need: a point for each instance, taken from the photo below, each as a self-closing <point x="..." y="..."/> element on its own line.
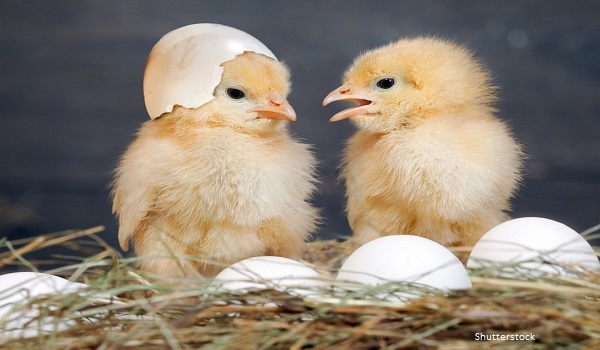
<point x="202" y="188"/>
<point x="429" y="157"/>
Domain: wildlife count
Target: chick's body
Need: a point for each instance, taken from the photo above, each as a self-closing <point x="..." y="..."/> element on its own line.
<point x="202" y="188"/>
<point x="430" y="158"/>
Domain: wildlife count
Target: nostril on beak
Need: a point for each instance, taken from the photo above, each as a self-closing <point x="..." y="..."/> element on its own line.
<point x="344" y="89"/>
<point x="275" y="99"/>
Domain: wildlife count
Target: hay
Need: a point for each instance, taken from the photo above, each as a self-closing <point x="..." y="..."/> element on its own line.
<point x="560" y="312"/>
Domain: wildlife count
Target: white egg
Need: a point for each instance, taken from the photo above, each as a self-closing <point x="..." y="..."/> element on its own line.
<point x="184" y="67"/>
<point x="533" y="247"/>
<point x="422" y="264"/>
<point x="16" y="289"/>
<point x="272" y="272"/>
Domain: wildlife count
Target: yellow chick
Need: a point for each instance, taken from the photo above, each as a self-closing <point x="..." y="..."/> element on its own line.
<point x="429" y="158"/>
<point x="202" y="188"/>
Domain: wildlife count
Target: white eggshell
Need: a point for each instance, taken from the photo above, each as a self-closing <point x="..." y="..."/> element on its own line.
<point x="184" y="67"/>
<point x="532" y="247"/>
<point x="273" y="272"/>
<point x="402" y="258"/>
<point x="16" y="289"/>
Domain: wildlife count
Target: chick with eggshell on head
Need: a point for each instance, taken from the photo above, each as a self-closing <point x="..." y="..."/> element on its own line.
<point x="215" y="177"/>
<point x="200" y="51"/>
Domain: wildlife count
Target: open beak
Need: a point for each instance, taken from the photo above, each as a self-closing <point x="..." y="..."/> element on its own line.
<point x="346" y="93"/>
<point x="277" y="108"/>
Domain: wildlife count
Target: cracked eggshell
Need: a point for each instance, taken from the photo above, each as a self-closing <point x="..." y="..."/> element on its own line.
<point x="184" y="67"/>
<point x="533" y="247"/>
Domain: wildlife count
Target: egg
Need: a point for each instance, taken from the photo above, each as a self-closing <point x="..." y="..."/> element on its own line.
<point x="185" y="65"/>
<point x="415" y="264"/>
<point x="531" y="247"/>
<point x="17" y="289"/>
<point x="271" y="272"/>
<point x="19" y="320"/>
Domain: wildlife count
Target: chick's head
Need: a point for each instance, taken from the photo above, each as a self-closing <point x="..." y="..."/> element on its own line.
<point x="400" y="84"/>
<point x="251" y="95"/>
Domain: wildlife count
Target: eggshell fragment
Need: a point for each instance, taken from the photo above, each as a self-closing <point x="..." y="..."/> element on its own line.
<point x="271" y="272"/>
<point x="419" y="264"/>
<point x="184" y="67"/>
<point x="533" y="247"/>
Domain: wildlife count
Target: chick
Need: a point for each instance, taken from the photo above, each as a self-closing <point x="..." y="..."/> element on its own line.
<point x="429" y="158"/>
<point x="202" y="188"/>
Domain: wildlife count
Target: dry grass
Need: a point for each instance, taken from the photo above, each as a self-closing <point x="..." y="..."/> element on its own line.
<point x="559" y="312"/>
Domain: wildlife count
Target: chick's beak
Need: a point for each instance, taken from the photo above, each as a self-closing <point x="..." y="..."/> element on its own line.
<point x="277" y="108"/>
<point x="347" y="92"/>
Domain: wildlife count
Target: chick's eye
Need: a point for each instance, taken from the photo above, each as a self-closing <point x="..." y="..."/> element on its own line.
<point x="386" y="83"/>
<point x="235" y="94"/>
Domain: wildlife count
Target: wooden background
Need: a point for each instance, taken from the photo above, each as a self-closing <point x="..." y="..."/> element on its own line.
<point x="71" y="96"/>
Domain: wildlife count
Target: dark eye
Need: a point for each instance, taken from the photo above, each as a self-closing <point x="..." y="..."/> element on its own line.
<point x="235" y="94"/>
<point x="386" y="83"/>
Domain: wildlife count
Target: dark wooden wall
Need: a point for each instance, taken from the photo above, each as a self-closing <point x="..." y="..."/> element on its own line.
<point x="71" y="97"/>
